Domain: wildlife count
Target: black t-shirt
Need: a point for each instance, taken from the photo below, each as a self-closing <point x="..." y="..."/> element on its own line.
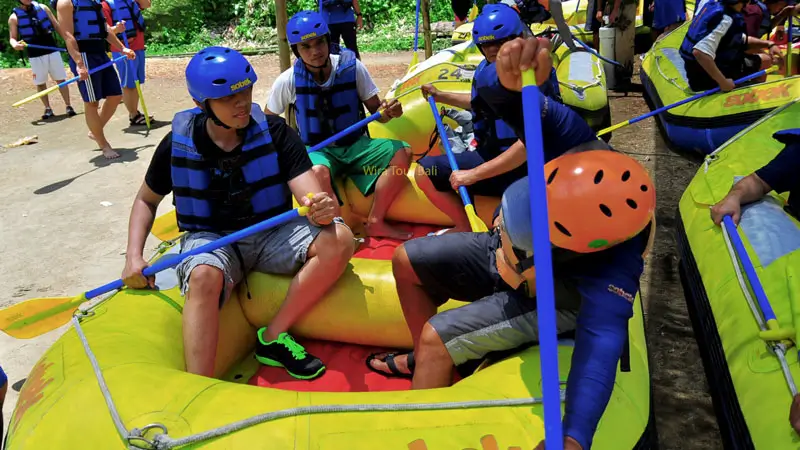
<point x="293" y="159"/>
<point x="781" y="173"/>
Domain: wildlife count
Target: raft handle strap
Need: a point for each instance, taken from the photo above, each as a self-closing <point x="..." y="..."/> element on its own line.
<point x="671" y="80"/>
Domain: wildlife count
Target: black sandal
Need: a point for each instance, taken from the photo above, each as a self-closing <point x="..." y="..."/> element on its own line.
<point x="394" y="372"/>
<point x="139" y="119"/>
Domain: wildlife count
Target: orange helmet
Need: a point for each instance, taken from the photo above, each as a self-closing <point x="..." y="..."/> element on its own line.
<point x="595" y="200"/>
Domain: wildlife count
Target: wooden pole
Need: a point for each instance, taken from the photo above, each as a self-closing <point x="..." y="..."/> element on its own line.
<point x="283" y="43"/>
<point x="426" y="27"/>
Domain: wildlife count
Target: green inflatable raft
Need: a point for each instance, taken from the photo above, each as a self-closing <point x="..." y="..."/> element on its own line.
<point x="750" y="376"/>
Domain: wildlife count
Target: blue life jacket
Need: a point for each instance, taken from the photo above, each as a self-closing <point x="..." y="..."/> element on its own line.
<point x="231" y="193"/>
<point x="731" y="47"/>
<point x="129" y="11"/>
<point x="766" y="19"/>
<point x="90" y="24"/>
<point x="342" y="3"/>
<point x="34" y="23"/>
<point x="323" y="112"/>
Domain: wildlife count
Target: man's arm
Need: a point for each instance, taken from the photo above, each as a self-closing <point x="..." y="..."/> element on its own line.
<point x="506" y="161"/>
<point x="12" y="33"/>
<point x="112" y="38"/>
<point x="705" y="52"/>
<point x="143" y="213"/>
<point x="69" y="39"/>
<point x="67" y="26"/>
<point x="144" y="4"/>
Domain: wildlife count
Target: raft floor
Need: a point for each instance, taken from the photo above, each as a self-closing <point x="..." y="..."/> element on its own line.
<point x="346" y="363"/>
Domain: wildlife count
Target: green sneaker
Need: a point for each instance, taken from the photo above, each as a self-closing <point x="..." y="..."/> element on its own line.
<point x="285" y="352"/>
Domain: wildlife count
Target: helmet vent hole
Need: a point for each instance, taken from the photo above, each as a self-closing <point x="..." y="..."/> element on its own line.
<point x="626" y="175"/>
<point x="643" y="188"/>
<point x="227" y="50"/>
<point x="598" y="177"/>
<point x="317" y="25"/>
<point x="247" y="70"/>
<point x="219" y="81"/>
<point x="562" y="229"/>
<point x="552" y="176"/>
<point x="497" y="27"/>
<point x="631" y="203"/>
<point x="209" y="58"/>
<point x="605" y="210"/>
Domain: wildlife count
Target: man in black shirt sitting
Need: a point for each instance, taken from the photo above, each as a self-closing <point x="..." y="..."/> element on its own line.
<point x="229" y="166"/>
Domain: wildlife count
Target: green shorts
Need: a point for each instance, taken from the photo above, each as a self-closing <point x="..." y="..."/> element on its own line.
<point x="363" y="161"/>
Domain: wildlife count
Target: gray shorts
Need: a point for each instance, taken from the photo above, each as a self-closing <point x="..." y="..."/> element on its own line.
<point x="279" y="250"/>
<point x="501" y="321"/>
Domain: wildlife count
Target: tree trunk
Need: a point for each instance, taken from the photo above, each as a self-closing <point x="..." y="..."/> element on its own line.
<point x="624" y="48"/>
<point x="426" y="27"/>
<point x="283" y="43"/>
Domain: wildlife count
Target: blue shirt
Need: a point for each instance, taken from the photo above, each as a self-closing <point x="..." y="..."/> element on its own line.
<point x="3" y="378"/>
<point x="337" y="13"/>
<point x="781" y="173"/>
<point x="562" y="128"/>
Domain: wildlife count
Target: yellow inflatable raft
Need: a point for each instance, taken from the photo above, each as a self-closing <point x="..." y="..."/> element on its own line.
<point x="706" y="123"/>
<point x="746" y="377"/>
<point x="116" y="380"/>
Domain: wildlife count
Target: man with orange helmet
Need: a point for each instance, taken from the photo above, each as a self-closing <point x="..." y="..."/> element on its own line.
<point x="601" y="204"/>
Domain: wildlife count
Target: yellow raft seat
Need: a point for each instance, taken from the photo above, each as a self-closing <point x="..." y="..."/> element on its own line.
<point x="706" y="123"/>
<point x="135" y="336"/>
<point x="747" y="380"/>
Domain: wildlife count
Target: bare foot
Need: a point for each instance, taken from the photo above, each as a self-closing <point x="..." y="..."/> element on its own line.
<point x="109" y="153"/>
<point x="379" y="364"/>
<point x="383" y="229"/>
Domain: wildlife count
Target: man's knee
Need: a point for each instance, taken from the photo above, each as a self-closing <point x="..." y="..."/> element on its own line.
<point x="402" y="158"/>
<point x="766" y="61"/>
<point x="402" y="269"/>
<point x="334" y="245"/>
<point x="206" y="283"/>
<point x="431" y="344"/>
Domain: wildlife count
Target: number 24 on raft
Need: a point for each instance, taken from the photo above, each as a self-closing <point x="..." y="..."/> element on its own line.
<point x="757" y="95"/>
<point x="488" y="442"/>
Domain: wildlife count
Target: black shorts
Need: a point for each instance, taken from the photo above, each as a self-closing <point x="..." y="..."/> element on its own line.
<point x="699" y="80"/>
<point x="461" y="9"/>
<point x="461" y="266"/>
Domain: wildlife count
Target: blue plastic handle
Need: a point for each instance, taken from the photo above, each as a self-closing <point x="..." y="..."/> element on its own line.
<point x="543" y="261"/>
<point x="695" y="97"/>
<point x="360" y="124"/>
<point x="45" y="47"/>
<point x="749" y="269"/>
<point x="447" y="149"/>
<point x="174" y="260"/>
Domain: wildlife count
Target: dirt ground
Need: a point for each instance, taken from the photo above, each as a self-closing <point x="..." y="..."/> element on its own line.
<point x="64" y="212"/>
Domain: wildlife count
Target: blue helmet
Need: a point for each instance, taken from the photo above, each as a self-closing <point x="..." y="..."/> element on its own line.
<point x="495" y="23"/>
<point x="516" y="208"/>
<point x="217" y="72"/>
<point x="305" y="25"/>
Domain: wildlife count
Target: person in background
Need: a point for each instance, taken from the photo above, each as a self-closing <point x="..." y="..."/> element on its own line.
<point x="668" y="15"/>
<point x="461" y="10"/>
<point x="34" y="23"/>
<point x="594" y="20"/>
<point x="715" y="48"/>
<point x="344" y="19"/>
<point x="129" y="13"/>
<point x="83" y="20"/>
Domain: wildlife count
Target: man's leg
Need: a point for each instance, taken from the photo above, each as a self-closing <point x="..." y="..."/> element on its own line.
<point x="336" y="32"/>
<point x="55" y="67"/>
<point x="501" y="321"/>
<point x="64" y="90"/>
<point x="325" y="260"/>
<point x="131" y="99"/>
<point x="45" y="98"/>
<point x="428" y="271"/>
<point x="447" y="201"/>
<point x="206" y="281"/>
<point x="349" y="37"/>
<point x="39" y="68"/>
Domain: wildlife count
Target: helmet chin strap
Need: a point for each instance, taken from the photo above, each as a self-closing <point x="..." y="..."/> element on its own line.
<point x="215" y="119"/>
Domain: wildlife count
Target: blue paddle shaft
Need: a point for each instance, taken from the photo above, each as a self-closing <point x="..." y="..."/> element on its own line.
<point x="96" y="69"/>
<point x="416" y="28"/>
<point x="447" y="149"/>
<point x="749" y="269"/>
<point x="542" y="258"/>
<point x="360" y="124"/>
<point x="45" y="47"/>
<point x="174" y="260"/>
<point x="694" y="97"/>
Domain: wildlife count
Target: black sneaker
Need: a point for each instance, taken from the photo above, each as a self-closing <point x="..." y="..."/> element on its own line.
<point x="71" y="112"/>
<point x="48" y="113"/>
<point x="285" y="352"/>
